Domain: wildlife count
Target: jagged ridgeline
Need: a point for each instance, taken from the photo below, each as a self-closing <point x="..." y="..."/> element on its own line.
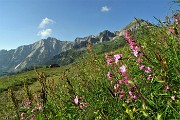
<point x="51" y="50"/>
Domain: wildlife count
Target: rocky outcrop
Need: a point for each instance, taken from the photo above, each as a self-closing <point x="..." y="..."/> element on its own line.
<point x="101" y="37"/>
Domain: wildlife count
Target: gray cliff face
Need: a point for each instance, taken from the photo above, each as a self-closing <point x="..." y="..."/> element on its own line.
<point x="101" y="37"/>
<point x="34" y="54"/>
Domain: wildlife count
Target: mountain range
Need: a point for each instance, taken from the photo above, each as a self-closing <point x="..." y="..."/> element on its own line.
<point x="40" y="52"/>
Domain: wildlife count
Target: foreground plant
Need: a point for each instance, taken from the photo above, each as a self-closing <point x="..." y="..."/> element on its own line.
<point x="156" y="62"/>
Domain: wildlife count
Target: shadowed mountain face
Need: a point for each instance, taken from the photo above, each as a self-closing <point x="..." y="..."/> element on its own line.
<point x="33" y="54"/>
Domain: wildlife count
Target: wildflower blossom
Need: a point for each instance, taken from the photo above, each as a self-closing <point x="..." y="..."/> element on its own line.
<point x="121" y="81"/>
<point x="130" y="93"/>
<point x="135" y="52"/>
<point x="110" y="76"/>
<point x="76" y="100"/>
<point x="110" y="61"/>
<point x="141" y="67"/>
<point x="121" y="94"/>
<point x="147" y="69"/>
<point x="139" y="60"/>
<point x="167" y="88"/>
<point x="120" y="97"/>
<point x="116" y="86"/>
<point x="23" y="116"/>
<point x="83" y="104"/>
<point x="135" y="97"/>
<point x="117" y="57"/>
<point x="122" y="69"/>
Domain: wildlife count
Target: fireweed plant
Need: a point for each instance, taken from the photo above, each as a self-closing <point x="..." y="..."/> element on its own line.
<point x="151" y="83"/>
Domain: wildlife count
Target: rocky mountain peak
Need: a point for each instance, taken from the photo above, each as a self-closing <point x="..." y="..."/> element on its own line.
<point x="28" y="55"/>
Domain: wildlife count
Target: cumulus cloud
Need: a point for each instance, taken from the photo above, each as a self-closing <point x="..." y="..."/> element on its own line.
<point x="45" y="33"/>
<point x="45" y="22"/>
<point x="105" y="9"/>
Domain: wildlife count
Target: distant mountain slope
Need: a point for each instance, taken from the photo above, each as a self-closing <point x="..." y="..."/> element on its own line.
<point x="28" y="55"/>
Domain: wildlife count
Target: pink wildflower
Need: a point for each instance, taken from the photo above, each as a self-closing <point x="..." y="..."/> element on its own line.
<point x="110" y="76"/>
<point x="121" y="81"/>
<point x="135" y="97"/>
<point x="139" y="60"/>
<point x="83" y="104"/>
<point x="76" y="100"/>
<point x="126" y="82"/>
<point x="141" y="67"/>
<point x="123" y="69"/>
<point x="110" y="61"/>
<point x="167" y="88"/>
<point x="117" y="57"/>
<point x="135" y="52"/>
<point x="116" y="86"/>
<point x="130" y="93"/>
<point x="23" y="116"/>
<point x="147" y="69"/>
<point x="121" y="96"/>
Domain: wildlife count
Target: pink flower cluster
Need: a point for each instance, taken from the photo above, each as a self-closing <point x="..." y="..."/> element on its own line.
<point x="78" y="101"/>
<point x="34" y="105"/>
<point x="132" y="44"/>
<point x="114" y="60"/>
<point x="135" y="48"/>
<point x="119" y="85"/>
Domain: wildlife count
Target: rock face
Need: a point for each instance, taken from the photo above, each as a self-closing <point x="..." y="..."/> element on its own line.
<point x="101" y="37"/>
<point x="33" y="54"/>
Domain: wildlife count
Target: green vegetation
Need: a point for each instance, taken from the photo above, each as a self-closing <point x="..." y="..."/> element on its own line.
<point x="139" y="80"/>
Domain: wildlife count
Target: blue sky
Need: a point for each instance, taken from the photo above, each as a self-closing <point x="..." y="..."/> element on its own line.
<point x="24" y="22"/>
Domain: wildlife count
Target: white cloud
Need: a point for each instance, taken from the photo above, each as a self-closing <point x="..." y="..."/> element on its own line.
<point x="105" y="9"/>
<point x="45" y="22"/>
<point x="45" y="33"/>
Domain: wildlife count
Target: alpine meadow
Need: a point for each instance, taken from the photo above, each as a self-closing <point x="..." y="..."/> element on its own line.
<point x="130" y="74"/>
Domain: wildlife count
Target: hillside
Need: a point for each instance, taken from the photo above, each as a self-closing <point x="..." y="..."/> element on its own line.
<point x="131" y="77"/>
